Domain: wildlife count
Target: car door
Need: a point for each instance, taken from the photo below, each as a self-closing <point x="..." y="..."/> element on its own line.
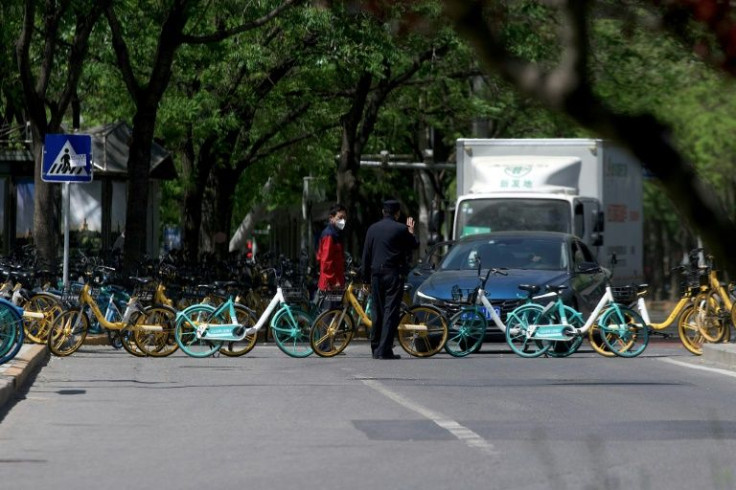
<point x="588" y="277"/>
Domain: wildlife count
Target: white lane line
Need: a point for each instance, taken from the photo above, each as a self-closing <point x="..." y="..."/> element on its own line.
<point x="725" y="372"/>
<point x="462" y="433"/>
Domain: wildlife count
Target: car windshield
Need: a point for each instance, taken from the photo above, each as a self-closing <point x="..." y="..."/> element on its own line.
<point x="540" y="253"/>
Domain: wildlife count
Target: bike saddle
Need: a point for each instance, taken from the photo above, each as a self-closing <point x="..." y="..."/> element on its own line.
<point x="529" y="288"/>
<point x="557" y="289"/>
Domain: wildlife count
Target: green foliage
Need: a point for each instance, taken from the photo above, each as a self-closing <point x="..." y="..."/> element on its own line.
<point x="644" y="71"/>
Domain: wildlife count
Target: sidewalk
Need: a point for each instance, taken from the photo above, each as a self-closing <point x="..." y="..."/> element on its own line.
<point x="15" y="374"/>
<point x="720" y="355"/>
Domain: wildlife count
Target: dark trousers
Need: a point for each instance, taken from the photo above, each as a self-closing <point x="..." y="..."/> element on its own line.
<point x="387" y="290"/>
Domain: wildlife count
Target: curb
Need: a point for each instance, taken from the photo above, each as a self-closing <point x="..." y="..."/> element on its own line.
<point x="15" y="373"/>
<point x="96" y="339"/>
<point x="720" y="355"/>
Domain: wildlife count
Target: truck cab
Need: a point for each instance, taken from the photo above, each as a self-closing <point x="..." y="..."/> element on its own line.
<point x="484" y="213"/>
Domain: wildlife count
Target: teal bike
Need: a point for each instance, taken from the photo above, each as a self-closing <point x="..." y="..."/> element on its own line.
<point x="11" y="330"/>
<point x="467" y="327"/>
<point x="620" y="328"/>
<point x="232" y="329"/>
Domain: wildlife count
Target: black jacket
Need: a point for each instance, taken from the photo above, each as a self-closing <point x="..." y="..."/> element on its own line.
<point x="388" y="246"/>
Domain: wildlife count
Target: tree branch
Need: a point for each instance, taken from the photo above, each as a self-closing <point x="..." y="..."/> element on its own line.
<point x="122" y="53"/>
<point x="223" y="33"/>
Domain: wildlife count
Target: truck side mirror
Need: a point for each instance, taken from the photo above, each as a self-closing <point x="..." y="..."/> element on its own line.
<point x="588" y="267"/>
<point x="600" y="223"/>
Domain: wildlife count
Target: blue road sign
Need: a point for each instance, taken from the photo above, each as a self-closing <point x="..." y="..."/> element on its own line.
<point x="67" y="158"/>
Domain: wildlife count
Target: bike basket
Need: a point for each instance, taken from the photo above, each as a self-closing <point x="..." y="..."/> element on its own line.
<point x="334" y="295"/>
<point x="144" y="295"/>
<point x="464" y="295"/>
<point x="624" y="294"/>
<point x="293" y="294"/>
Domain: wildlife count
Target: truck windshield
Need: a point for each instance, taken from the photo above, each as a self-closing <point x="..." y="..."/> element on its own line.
<point x="499" y="214"/>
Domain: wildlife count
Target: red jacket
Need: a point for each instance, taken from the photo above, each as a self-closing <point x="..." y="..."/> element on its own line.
<point x="331" y="258"/>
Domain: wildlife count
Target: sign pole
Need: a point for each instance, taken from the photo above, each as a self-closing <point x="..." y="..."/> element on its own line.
<point x="67" y="200"/>
<point x="67" y="158"/>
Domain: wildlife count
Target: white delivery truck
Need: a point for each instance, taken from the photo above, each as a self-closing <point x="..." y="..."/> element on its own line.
<point x="587" y="187"/>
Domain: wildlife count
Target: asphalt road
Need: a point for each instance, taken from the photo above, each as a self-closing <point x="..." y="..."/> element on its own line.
<point x="102" y="419"/>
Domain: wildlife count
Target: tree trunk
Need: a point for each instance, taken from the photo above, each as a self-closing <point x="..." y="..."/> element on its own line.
<point x="45" y="201"/>
<point x="224" y="179"/>
<point x="139" y="163"/>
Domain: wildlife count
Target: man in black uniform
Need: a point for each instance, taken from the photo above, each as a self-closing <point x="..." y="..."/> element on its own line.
<point x="387" y="249"/>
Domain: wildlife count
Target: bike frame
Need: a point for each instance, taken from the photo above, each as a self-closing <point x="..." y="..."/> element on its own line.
<point x="562" y="331"/>
<point x="680" y="306"/>
<point x="484" y="301"/>
<point x="86" y="299"/>
<point x="224" y="331"/>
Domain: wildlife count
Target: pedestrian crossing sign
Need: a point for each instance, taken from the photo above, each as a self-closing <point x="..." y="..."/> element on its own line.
<point x="67" y="158"/>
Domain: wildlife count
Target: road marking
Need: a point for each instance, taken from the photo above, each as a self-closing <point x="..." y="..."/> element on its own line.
<point x="467" y="436"/>
<point x="725" y="372"/>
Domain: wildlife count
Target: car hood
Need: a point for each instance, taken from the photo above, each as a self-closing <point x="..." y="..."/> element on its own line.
<point x="440" y="284"/>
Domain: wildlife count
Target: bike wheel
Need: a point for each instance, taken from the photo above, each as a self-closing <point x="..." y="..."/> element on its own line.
<point x="422" y="331"/>
<point x="37" y="329"/>
<point x="623" y="331"/>
<point x="291" y="327"/>
<point x="246" y="319"/>
<point x="68" y="332"/>
<point x="689" y="331"/>
<point x="185" y="331"/>
<point x="148" y="338"/>
<point x="11" y="333"/>
<point x="331" y="332"/>
<point x="466" y="331"/>
<point x="8" y="338"/>
<point x="127" y="340"/>
<point x="520" y="326"/>
<point x="595" y="337"/>
<point x="712" y="318"/>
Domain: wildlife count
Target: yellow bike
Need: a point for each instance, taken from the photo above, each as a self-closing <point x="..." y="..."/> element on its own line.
<point x="713" y="313"/>
<point x="422" y="330"/>
<point x="154" y="342"/>
<point x="70" y="328"/>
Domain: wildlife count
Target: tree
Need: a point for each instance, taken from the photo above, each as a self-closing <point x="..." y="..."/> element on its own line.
<point x="171" y="21"/>
<point x="49" y="74"/>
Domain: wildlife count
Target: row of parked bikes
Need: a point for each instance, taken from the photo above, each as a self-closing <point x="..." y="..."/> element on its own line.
<point x="155" y="316"/>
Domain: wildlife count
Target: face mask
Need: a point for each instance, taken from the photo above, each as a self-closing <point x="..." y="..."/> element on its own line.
<point x="340" y="224"/>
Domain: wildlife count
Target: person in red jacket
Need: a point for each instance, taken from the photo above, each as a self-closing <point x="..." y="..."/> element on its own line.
<point x="331" y="255"/>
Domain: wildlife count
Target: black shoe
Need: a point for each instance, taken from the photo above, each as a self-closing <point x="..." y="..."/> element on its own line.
<point x="390" y="356"/>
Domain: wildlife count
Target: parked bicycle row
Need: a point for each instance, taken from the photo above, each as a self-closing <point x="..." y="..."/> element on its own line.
<point x="146" y="322"/>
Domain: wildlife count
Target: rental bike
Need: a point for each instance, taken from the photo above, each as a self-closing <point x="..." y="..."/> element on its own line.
<point x="11" y="330"/>
<point x="232" y="329"/>
<point x="422" y="329"/>
<point x="621" y="328"/>
<point x="70" y="328"/>
<point x="468" y="326"/>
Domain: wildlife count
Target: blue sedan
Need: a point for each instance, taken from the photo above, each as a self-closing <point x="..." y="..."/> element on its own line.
<point x="528" y="257"/>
